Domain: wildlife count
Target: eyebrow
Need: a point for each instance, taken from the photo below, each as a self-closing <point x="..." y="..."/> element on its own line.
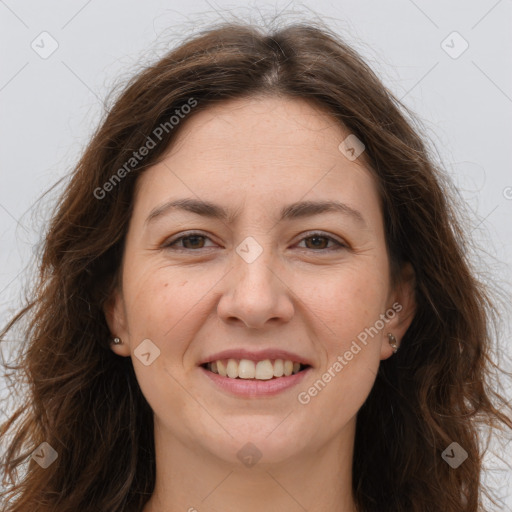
<point x="292" y="211"/>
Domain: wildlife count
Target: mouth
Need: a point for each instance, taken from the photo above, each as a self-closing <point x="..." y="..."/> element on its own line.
<point x="262" y="370"/>
<point x="250" y="379"/>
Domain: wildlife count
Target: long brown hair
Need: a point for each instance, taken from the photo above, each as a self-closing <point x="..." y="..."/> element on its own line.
<point x="85" y="402"/>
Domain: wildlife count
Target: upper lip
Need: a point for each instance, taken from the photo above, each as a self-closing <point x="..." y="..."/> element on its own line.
<point x="253" y="355"/>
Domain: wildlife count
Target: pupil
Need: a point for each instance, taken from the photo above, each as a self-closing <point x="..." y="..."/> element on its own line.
<point x="191" y="237"/>
<point x="317" y="238"/>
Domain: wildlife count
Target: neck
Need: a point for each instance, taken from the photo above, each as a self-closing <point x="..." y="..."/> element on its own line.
<point x="193" y="481"/>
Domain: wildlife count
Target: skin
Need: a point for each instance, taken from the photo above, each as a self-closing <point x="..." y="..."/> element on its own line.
<point x="255" y="156"/>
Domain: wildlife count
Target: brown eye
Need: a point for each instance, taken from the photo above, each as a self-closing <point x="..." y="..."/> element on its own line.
<point x="320" y="242"/>
<point x="191" y="241"/>
<point x="317" y="242"/>
<point x="194" y="241"/>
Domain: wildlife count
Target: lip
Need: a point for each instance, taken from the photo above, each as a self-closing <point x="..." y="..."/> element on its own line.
<point x="252" y="388"/>
<point x="259" y="355"/>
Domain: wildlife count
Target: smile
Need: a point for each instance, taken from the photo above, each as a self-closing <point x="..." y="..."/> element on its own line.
<point x="265" y="369"/>
<point x="245" y="378"/>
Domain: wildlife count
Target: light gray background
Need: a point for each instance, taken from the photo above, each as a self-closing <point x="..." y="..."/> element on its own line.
<point x="50" y="107"/>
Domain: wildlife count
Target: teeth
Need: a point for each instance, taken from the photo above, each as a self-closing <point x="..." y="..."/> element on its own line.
<point x="232" y="369"/>
<point x="278" y="368"/>
<point x="260" y="370"/>
<point x="246" y="369"/>
<point x="221" y="368"/>
<point x="264" y="370"/>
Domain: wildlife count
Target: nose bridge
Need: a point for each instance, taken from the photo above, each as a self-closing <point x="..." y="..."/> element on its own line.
<point x="255" y="293"/>
<point x="253" y="267"/>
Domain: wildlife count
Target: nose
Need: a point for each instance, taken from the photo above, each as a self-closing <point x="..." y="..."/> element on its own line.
<point x="256" y="293"/>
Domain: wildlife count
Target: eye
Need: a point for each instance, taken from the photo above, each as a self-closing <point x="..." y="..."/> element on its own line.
<point x="315" y="241"/>
<point x="190" y="241"/>
<point x="319" y="241"/>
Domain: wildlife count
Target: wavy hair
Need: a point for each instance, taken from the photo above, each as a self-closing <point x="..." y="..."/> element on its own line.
<point x="85" y="401"/>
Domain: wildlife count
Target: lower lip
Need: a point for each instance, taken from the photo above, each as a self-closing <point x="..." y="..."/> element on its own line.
<point x="255" y="388"/>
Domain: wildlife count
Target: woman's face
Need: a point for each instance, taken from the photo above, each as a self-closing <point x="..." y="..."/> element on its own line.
<point x="277" y="278"/>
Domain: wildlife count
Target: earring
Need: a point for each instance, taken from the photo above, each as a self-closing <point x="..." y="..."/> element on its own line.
<point x="116" y="341"/>
<point x="393" y="342"/>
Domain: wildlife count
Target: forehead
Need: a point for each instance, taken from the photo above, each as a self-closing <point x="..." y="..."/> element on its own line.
<point x="262" y="127"/>
<point x="264" y="148"/>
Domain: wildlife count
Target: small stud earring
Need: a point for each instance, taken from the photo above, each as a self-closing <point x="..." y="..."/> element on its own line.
<point x="393" y="342"/>
<point x="116" y="341"/>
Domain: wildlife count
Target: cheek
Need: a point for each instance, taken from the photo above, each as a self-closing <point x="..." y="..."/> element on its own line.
<point x="162" y="303"/>
<point x="159" y="306"/>
<point x="347" y="301"/>
<point x="345" y="309"/>
<point x="148" y="304"/>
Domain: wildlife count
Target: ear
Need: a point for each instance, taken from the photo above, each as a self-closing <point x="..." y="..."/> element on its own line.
<point x="115" y="316"/>
<point x="403" y="303"/>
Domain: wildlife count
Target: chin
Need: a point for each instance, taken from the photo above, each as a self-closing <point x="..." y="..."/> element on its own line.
<point x="258" y="442"/>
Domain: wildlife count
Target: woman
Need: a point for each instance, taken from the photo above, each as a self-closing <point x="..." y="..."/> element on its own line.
<point x="254" y="295"/>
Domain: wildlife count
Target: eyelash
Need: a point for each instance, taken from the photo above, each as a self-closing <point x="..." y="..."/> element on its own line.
<point x="171" y="243"/>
